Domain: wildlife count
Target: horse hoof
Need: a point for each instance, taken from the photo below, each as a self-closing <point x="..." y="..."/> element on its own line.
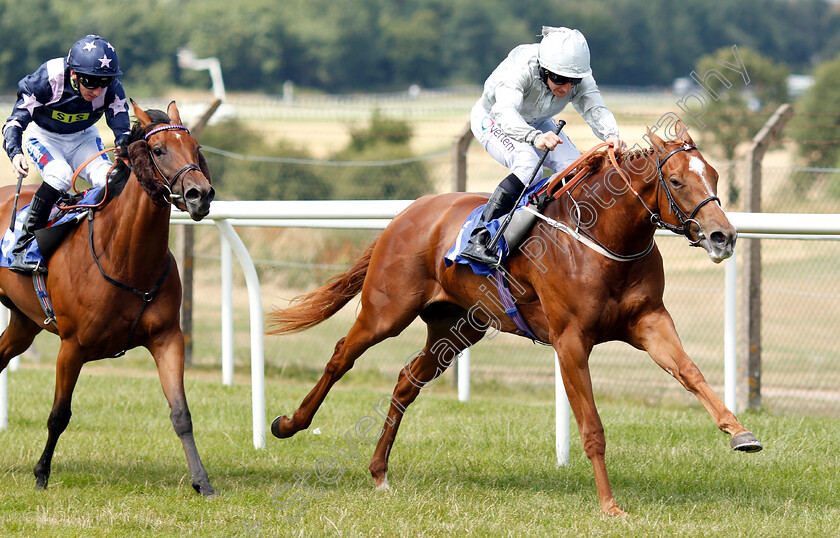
<point x="40" y="482"/>
<point x="281" y="427"/>
<point x="205" y="490"/>
<point x="746" y="442"/>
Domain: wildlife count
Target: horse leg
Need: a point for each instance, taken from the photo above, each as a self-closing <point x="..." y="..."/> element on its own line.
<point x="17" y="337"/>
<point x="168" y="353"/>
<point x="445" y="339"/>
<point x="67" y="368"/>
<point x="573" y="354"/>
<point x="657" y="335"/>
<point x="367" y="331"/>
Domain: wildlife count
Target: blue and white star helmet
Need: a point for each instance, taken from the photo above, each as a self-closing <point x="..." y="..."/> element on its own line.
<point x="93" y="55"/>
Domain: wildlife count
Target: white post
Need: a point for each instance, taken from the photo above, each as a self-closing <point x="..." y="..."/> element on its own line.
<point x="14" y="364"/>
<point x="4" y="396"/>
<point x="227" y="312"/>
<point x="562" y="420"/>
<point x="464" y="376"/>
<point x="257" y="348"/>
<point x="4" y="402"/>
<point x="730" y="357"/>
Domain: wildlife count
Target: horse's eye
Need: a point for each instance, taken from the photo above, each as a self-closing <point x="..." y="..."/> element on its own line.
<point x="674" y="182"/>
<point x="158" y="152"/>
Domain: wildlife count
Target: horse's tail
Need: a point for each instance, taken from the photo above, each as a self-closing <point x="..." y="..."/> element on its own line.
<point x="316" y="306"/>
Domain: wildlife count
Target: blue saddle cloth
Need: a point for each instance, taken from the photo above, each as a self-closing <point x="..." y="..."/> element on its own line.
<point x="453" y="256"/>
<point x="33" y="253"/>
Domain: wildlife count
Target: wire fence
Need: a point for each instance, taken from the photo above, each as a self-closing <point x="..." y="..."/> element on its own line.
<point x="800" y="286"/>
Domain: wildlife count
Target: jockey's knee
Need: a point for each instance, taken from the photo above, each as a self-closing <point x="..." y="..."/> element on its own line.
<point x="57" y="174"/>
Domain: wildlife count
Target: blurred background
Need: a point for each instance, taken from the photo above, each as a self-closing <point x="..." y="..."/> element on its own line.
<point x="365" y="99"/>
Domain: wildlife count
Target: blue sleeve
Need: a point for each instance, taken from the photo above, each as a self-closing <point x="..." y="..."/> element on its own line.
<point x="116" y="114"/>
<point x="32" y="89"/>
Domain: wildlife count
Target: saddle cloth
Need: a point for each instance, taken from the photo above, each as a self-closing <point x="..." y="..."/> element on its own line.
<point x="58" y="217"/>
<point x="453" y="255"/>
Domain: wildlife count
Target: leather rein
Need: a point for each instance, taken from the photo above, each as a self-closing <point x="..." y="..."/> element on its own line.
<point x="146" y="296"/>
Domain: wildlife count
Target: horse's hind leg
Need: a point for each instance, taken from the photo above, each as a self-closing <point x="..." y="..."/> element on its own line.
<point x="371" y="327"/>
<point x="446" y="337"/>
<point x="67" y="368"/>
<point x="17" y="337"/>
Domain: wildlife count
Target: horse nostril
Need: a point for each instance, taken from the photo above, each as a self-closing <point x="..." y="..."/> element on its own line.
<point x="718" y="238"/>
<point x="211" y="195"/>
<point x="192" y="195"/>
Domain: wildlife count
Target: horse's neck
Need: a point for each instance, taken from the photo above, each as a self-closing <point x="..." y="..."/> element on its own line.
<point x="605" y="207"/>
<point x="134" y="232"/>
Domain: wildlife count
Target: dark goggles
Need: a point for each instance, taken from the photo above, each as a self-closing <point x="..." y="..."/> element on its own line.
<point x="93" y="82"/>
<point x="560" y="79"/>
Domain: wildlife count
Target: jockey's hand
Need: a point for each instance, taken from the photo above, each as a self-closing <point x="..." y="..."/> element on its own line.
<point x="619" y="144"/>
<point x="548" y="141"/>
<point x="19" y="165"/>
<point x="121" y="152"/>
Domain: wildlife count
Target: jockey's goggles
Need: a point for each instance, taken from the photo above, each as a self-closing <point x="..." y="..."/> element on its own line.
<point x="560" y="79"/>
<point x="93" y="82"/>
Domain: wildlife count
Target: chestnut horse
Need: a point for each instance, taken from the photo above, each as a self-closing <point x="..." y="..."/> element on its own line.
<point x="571" y="294"/>
<point x="113" y="282"/>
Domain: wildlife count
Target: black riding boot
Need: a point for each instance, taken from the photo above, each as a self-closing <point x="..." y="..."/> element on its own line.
<point x="39" y="212"/>
<point x="500" y="201"/>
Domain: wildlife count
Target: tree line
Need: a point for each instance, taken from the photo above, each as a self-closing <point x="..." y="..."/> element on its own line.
<point x="341" y="46"/>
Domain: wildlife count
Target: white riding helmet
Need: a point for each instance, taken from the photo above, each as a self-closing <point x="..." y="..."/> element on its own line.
<point x="564" y="51"/>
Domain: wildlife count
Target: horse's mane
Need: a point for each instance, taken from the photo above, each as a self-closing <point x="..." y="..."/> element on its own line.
<point x="600" y="159"/>
<point x="122" y="171"/>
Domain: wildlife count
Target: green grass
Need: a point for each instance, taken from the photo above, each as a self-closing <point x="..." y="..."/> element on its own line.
<point x="484" y="468"/>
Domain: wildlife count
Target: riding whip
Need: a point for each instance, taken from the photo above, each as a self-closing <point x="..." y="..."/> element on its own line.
<point x="14" y="207"/>
<point x="506" y="222"/>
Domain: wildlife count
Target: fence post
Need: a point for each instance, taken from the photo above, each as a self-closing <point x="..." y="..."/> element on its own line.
<point x="459" y="159"/>
<point x="751" y="254"/>
<point x="186" y="242"/>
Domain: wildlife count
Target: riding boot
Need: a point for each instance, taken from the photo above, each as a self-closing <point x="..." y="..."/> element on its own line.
<point x="39" y="212"/>
<point x="500" y="201"/>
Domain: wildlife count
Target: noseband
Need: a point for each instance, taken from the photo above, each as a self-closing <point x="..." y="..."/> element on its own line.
<point x="169" y="183"/>
<point x="685" y="221"/>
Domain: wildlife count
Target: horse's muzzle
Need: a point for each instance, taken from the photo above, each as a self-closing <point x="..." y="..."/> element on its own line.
<point x="198" y="201"/>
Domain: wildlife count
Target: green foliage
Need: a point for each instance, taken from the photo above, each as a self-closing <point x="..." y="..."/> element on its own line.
<point x="260" y="178"/>
<point x="383" y="139"/>
<point x="351" y="45"/>
<point x="275" y="172"/>
<point x="740" y="110"/>
<point x="821" y="101"/>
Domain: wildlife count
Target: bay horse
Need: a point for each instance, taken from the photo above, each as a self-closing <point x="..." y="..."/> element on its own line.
<point x="571" y="294"/>
<point x="113" y="282"/>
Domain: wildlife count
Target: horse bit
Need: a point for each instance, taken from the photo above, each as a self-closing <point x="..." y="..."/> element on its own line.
<point x="169" y="183"/>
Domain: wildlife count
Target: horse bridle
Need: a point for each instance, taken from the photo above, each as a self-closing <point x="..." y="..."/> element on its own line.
<point x="685" y="221"/>
<point x="170" y="183"/>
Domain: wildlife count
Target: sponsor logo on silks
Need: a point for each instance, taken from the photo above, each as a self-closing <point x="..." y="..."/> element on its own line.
<point x="64" y="117"/>
<point x="487" y="122"/>
<point x="39" y="154"/>
<point x="497" y="132"/>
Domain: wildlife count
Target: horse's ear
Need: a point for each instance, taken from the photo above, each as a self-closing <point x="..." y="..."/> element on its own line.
<point x="657" y="143"/>
<point x="172" y="112"/>
<point x="144" y="170"/>
<point x="682" y="132"/>
<point x="141" y="115"/>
